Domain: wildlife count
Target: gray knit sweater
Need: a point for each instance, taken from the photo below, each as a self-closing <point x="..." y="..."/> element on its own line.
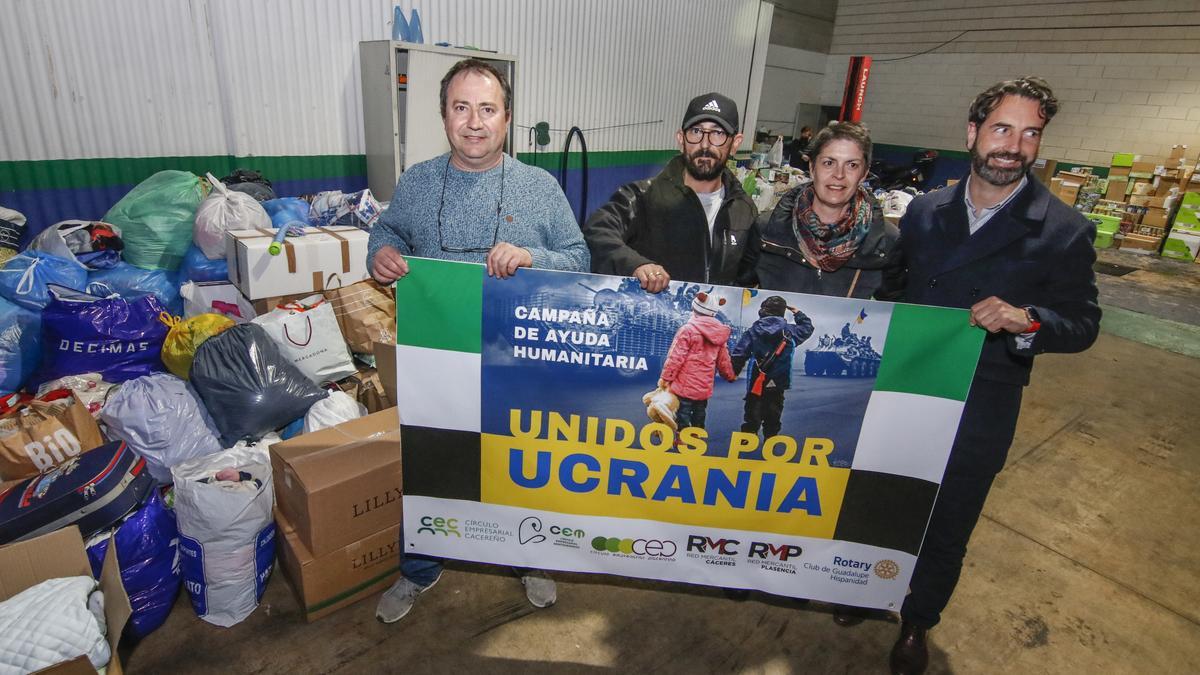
<point x="534" y="215"/>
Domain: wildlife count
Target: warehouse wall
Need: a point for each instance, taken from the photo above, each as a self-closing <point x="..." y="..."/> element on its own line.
<point x="1127" y="73"/>
<point x="793" y="77"/>
<point x="101" y="95"/>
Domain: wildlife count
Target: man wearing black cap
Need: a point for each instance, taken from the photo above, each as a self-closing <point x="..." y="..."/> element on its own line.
<point x="692" y="222"/>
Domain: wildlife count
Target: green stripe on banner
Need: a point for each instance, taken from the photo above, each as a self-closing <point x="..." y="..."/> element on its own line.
<point x="439" y="305"/>
<point x="911" y="366"/>
<point x="83" y="173"/>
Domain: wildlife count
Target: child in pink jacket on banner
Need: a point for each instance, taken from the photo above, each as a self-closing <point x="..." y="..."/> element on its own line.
<point x="699" y="350"/>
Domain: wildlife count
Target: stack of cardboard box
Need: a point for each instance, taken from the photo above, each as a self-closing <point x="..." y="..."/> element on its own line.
<point x="338" y="508"/>
<point x="1184" y="241"/>
<point x="1142" y="192"/>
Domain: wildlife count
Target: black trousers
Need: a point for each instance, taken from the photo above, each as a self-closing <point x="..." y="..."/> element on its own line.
<point x="763" y="411"/>
<point x="980" y="448"/>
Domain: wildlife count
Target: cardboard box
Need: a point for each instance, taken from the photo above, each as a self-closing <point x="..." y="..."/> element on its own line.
<point x="342" y="484"/>
<point x="385" y="363"/>
<point x="1177" y="151"/>
<point x="1118" y="172"/>
<point x="1043" y="169"/>
<point x="1155" y="217"/>
<point x="1163" y="186"/>
<point x="1142" y="169"/>
<point x="1136" y="200"/>
<point x="1103" y="223"/>
<point x="61" y="554"/>
<point x="1123" y="159"/>
<point x="1182" y="246"/>
<point x="1142" y="187"/>
<point x="304" y="265"/>
<point x="264" y="305"/>
<point x="1160" y="202"/>
<point x="1187" y="220"/>
<point x="1069" y="192"/>
<point x="1117" y="187"/>
<point x="325" y="584"/>
<point x="1138" y="243"/>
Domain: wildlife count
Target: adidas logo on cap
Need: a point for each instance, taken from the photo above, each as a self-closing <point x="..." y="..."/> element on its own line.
<point x="712" y="105"/>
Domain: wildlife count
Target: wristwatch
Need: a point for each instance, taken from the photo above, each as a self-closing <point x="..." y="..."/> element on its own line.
<point x="1035" y="323"/>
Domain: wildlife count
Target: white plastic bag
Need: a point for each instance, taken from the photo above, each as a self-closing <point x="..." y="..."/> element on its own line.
<point x="215" y="297"/>
<point x="308" y="335"/>
<point x="226" y="530"/>
<point x="224" y="209"/>
<point x="332" y="410"/>
<point x="162" y="419"/>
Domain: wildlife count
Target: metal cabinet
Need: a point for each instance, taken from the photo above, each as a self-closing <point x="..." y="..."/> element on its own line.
<point x="401" y="90"/>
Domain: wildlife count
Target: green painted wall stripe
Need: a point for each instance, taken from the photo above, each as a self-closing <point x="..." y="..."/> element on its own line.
<point x="84" y="173"/>
<point x="1101" y="171"/>
<point x="930" y="351"/>
<point x="439" y="305"/>
<point x="550" y="160"/>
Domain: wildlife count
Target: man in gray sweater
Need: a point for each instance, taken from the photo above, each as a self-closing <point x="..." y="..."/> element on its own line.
<point x="473" y="204"/>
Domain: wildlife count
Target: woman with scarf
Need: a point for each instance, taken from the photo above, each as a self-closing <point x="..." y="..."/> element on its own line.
<point x="829" y="237"/>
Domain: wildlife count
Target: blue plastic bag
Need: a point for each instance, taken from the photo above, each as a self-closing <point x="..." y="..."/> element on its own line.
<point x="24" y="278"/>
<point x="120" y="339"/>
<point x="147" y="555"/>
<point x="287" y="210"/>
<point x="20" y="345"/>
<point x="197" y="267"/>
<point x="129" y="282"/>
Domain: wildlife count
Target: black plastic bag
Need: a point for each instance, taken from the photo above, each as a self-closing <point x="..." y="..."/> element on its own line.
<point x="248" y="387"/>
<point x="250" y="182"/>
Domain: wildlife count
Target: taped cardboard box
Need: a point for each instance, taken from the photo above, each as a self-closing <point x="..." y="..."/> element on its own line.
<point x="303" y="265"/>
<point x="61" y="554"/>
<point x="341" y="484"/>
<point x="1155" y="217"/>
<point x="325" y="584"/>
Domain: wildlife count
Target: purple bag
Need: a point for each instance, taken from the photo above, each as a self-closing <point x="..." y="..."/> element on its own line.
<point x="147" y="554"/>
<point x="117" y="337"/>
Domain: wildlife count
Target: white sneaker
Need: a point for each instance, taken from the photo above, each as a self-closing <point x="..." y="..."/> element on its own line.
<point x="540" y="589"/>
<point x="398" y="600"/>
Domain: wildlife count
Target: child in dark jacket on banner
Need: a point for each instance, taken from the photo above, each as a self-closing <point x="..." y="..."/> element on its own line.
<point x="768" y="346"/>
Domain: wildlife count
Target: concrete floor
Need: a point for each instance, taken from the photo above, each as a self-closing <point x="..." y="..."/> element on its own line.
<point x="1085" y="561"/>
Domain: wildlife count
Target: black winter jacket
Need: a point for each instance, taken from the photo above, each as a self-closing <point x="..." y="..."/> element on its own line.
<point x="662" y="221"/>
<point x="781" y="266"/>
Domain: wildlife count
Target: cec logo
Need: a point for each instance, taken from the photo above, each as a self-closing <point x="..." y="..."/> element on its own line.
<point x="439" y="525"/>
<point x="654" y="548"/>
<point x="886" y="569"/>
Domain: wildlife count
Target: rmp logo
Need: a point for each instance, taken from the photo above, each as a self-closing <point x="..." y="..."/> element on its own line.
<point x="782" y="552"/>
<point x="439" y="525"/>
<point x="654" y="548"/>
<point x="530" y="531"/>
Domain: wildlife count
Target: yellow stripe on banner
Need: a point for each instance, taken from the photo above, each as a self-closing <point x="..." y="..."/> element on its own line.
<point x="569" y="476"/>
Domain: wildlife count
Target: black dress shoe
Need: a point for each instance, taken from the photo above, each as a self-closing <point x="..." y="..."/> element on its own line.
<point x="910" y="656"/>
<point x="846" y="616"/>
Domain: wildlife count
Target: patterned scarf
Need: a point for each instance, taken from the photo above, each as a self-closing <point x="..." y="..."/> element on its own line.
<point x="828" y="247"/>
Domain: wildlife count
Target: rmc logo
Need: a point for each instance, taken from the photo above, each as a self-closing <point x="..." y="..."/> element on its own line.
<point x="782" y="553"/>
<point x="700" y="544"/>
<point x="439" y="525"/>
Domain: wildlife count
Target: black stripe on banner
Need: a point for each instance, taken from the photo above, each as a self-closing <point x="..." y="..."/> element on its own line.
<point x="885" y="510"/>
<point x="440" y="462"/>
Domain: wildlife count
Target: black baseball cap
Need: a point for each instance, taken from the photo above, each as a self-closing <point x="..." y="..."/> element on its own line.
<point x="712" y="107"/>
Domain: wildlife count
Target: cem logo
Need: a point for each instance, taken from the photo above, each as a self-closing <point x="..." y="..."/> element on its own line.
<point x="439" y="525"/>
<point x="530" y="531"/>
<point x="782" y="552"/>
<point x="701" y="544"/>
<point x="653" y="548"/>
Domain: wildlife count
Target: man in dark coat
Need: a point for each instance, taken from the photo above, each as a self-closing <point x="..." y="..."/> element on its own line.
<point x="693" y="221"/>
<point x="1001" y="245"/>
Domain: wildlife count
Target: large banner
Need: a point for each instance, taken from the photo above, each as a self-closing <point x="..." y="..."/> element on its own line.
<point x="534" y="432"/>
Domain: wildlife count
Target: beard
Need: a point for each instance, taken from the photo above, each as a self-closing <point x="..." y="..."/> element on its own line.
<point x="695" y="170"/>
<point x="998" y="177"/>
